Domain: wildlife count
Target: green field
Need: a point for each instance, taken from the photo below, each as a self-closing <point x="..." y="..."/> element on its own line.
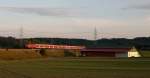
<point x="76" y="68"/>
<point x="145" y="53"/>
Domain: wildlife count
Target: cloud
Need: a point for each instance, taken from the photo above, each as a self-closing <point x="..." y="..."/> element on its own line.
<point x="43" y="11"/>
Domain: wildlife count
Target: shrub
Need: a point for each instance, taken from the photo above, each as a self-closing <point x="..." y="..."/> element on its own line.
<point x="69" y="54"/>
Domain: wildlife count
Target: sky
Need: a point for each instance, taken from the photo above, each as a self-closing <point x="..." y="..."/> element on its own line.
<point x="75" y="18"/>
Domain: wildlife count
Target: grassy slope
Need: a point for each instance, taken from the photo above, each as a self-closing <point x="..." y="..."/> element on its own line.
<point x="145" y="53"/>
<point x="76" y="68"/>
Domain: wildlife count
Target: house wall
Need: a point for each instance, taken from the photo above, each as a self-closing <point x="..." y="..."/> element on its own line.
<point x="123" y="54"/>
<point x="134" y="54"/>
<point x="99" y="54"/>
<point x="62" y="53"/>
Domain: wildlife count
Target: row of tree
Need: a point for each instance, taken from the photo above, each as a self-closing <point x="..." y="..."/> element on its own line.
<point x="141" y="42"/>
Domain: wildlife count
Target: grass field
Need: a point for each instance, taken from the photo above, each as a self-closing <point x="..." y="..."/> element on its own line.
<point x="76" y="68"/>
<point x="145" y="53"/>
<point x="18" y="54"/>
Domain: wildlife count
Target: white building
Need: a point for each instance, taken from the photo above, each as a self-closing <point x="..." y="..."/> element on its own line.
<point x="111" y="52"/>
<point x="131" y="52"/>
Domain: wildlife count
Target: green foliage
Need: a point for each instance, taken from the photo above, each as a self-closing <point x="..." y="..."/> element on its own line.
<point x="43" y="52"/>
<point x="145" y="53"/>
<point x="9" y="42"/>
<point x="67" y="53"/>
<point x="141" y="43"/>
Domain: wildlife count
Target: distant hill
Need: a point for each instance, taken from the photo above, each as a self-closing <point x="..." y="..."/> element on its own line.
<point x="140" y="42"/>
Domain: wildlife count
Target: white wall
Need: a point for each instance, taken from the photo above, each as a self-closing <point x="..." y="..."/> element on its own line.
<point x="134" y="54"/>
<point x="123" y="54"/>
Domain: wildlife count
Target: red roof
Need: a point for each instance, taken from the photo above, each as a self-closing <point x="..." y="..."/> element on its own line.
<point x="106" y="50"/>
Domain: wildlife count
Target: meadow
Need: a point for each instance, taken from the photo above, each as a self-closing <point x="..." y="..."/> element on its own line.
<point x="76" y="67"/>
<point x="145" y="53"/>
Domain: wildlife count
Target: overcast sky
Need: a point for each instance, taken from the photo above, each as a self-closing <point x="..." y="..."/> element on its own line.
<point x="75" y="18"/>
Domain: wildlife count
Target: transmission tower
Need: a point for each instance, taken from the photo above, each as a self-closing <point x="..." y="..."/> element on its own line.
<point x="21" y="37"/>
<point x="21" y="33"/>
<point x="95" y="37"/>
<point x="95" y="34"/>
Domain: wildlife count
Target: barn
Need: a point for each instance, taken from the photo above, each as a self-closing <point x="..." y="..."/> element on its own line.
<point x="110" y="52"/>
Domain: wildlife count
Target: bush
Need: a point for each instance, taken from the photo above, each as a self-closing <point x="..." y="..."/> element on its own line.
<point x="43" y="52"/>
<point x="69" y="54"/>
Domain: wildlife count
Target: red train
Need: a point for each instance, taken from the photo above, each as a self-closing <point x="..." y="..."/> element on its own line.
<point x="47" y="46"/>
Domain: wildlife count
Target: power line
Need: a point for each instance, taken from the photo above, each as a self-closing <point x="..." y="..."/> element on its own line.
<point x="96" y="35"/>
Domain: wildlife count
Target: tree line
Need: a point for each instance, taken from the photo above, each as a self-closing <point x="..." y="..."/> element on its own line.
<point x="140" y="42"/>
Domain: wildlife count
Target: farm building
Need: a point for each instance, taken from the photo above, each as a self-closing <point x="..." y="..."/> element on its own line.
<point x="110" y="52"/>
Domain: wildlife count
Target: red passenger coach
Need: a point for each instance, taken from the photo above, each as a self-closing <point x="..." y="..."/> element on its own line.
<point x="47" y="46"/>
